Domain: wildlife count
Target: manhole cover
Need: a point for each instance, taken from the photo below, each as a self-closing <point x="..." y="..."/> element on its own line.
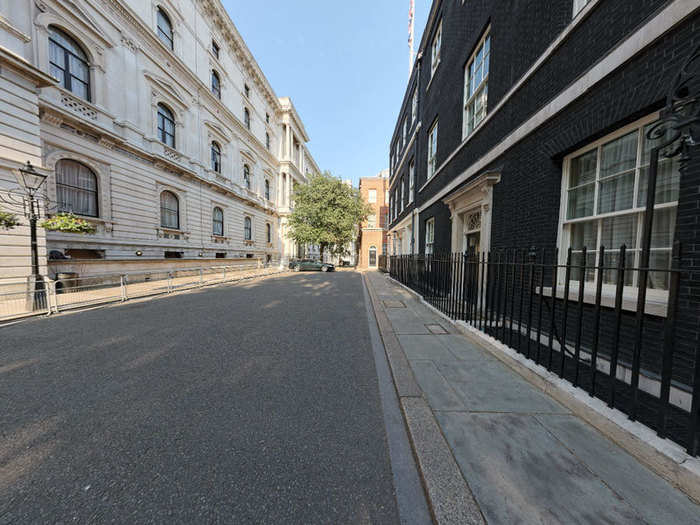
<point x="394" y="304"/>
<point x="436" y="329"/>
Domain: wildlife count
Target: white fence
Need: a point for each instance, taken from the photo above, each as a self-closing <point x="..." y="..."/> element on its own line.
<point x="19" y="300"/>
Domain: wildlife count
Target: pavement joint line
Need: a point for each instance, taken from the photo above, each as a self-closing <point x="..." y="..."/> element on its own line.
<point x="470" y="512"/>
<point x="661" y="456"/>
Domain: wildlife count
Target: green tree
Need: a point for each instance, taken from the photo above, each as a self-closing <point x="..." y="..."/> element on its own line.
<point x="326" y="213"/>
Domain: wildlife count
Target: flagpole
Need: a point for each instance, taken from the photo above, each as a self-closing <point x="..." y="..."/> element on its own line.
<point x="411" y="24"/>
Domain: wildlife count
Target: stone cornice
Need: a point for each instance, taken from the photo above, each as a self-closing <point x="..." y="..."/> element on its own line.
<point x="24" y="68"/>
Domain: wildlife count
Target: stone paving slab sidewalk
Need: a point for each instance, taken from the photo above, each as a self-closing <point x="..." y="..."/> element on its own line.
<point x="525" y="458"/>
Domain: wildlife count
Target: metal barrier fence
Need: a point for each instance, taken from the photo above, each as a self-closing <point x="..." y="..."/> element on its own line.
<point x="23" y="299"/>
<point x="598" y="336"/>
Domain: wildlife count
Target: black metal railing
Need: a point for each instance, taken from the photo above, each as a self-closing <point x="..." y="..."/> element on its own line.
<point x="577" y="314"/>
<point x="383" y="263"/>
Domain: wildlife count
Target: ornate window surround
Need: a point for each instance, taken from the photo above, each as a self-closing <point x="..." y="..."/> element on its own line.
<point x="102" y="173"/>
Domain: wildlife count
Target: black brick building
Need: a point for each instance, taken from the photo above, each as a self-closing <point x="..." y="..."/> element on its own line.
<point x="524" y="126"/>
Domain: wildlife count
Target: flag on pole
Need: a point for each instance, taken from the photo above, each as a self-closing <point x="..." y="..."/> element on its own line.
<point x="410" y="35"/>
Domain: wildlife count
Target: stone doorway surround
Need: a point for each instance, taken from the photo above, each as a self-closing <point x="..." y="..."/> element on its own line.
<point x="476" y="196"/>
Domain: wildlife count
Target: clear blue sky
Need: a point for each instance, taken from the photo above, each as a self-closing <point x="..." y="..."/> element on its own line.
<point x="345" y="66"/>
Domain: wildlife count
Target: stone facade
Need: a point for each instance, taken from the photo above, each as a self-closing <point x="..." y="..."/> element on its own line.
<point x="373" y="232"/>
<point x="141" y="56"/>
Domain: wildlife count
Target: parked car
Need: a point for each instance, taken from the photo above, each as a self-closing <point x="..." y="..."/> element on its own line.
<point x="311" y="265"/>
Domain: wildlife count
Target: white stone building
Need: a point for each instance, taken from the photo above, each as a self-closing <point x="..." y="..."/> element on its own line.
<point x="160" y="128"/>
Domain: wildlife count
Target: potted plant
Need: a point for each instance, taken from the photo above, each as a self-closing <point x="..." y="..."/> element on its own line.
<point x="8" y="220"/>
<point x="68" y="223"/>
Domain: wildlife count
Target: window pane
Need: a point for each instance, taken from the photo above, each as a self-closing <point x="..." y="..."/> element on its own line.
<point x="667" y="182"/>
<point x="79" y="89"/>
<point x="78" y="68"/>
<point x="580" y="202"/>
<point x="617" y="231"/>
<point x="663" y="228"/>
<point x="583" y="169"/>
<point x="57" y="73"/>
<point x="619" y="155"/>
<point x="616" y="193"/>
<point x="611" y="261"/>
<point x="576" y="260"/>
<point x="584" y="234"/>
<point x="56" y="54"/>
<point x="661" y="260"/>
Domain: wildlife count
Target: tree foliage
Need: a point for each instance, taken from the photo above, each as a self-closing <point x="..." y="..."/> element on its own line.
<point x="326" y="213"/>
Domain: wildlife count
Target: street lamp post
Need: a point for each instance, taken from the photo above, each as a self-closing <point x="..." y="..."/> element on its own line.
<point x="31" y="180"/>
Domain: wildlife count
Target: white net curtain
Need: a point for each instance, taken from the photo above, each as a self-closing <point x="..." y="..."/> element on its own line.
<point x="76" y="188"/>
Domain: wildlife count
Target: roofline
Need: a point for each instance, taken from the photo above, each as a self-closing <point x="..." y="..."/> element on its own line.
<point x="286" y="104"/>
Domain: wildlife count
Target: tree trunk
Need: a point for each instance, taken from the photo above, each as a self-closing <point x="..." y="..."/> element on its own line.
<point x="323" y="249"/>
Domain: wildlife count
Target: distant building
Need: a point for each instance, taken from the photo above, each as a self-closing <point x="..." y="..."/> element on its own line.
<point x="372" y="238"/>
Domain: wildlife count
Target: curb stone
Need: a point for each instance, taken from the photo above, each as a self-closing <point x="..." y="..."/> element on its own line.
<point x="449" y="496"/>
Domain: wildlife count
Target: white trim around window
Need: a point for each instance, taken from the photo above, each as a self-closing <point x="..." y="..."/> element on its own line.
<point x="603" y="203"/>
<point x="432" y="150"/>
<point x="430" y="236"/>
<point x="435" y="48"/>
<point x="476" y="85"/>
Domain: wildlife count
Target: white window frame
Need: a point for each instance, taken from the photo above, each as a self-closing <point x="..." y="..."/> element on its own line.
<point x="564" y="231"/>
<point x="432" y="149"/>
<point x="430" y="236"/>
<point x="435" y="48"/>
<point x="403" y="193"/>
<point x="372" y="196"/>
<point x="372" y="220"/>
<point x="578" y="7"/>
<point x="470" y="100"/>
<point x="411" y="180"/>
<point x="405" y="130"/>
<point x="414" y="106"/>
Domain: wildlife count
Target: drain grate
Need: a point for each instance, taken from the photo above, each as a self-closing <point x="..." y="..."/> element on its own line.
<point x="394" y="304"/>
<point x="436" y="329"/>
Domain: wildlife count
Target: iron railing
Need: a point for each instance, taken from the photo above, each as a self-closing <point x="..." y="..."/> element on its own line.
<point x="383" y="263"/>
<point x="20" y="300"/>
<point x="591" y="335"/>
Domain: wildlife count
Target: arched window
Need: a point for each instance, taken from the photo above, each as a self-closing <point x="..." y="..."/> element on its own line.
<point x="246" y="117"/>
<point x="165" y="29"/>
<point x="218" y="221"/>
<point x="215" y="157"/>
<point x="246" y="176"/>
<point x="373" y="256"/>
<point x="248" y="229"/>
<point x="269" y="233"/>
<point x="215" y="84"/>
<point x="69" y="63"/>
<point x="169" y="210"/>
<point x="166" y="126"/>
<point x="76" y="188"/>
<point x="267" y="189"/>
<point x="267" y="140"/>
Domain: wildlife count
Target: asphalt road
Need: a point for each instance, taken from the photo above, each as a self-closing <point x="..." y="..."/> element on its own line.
<point x="248" y="403"/>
